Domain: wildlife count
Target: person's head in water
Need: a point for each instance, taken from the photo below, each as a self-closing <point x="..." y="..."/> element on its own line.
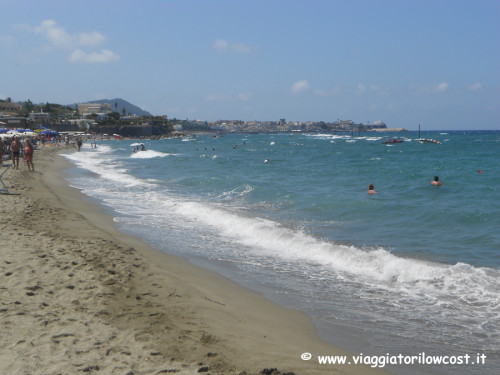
<point x="436" y="181"/>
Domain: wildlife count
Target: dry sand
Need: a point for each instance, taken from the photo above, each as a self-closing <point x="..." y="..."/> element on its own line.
<point x="77" y="296"/>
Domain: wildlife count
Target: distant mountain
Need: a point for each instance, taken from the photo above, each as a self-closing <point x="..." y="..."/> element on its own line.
<point x="129" y="107"/>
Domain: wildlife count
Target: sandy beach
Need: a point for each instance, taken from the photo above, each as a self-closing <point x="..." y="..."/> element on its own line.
<point x="77" y="296"/>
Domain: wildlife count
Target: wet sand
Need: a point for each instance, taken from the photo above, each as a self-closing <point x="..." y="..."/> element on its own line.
<point x="77" y="296"/>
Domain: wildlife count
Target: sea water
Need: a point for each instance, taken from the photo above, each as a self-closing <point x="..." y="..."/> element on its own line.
<point x="411" y="269"/>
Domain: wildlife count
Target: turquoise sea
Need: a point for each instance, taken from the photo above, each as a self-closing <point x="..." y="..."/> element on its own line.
<point x="411" y="269"/>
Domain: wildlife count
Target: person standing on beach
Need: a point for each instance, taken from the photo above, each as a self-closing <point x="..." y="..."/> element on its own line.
<point x="2" y="150"/>
<point x="79" y="143"/>
<point x="28" y="155"/>
<point x="371" y="189"/>
<point x="15" y="148"/>
<point x="436" y="182"/>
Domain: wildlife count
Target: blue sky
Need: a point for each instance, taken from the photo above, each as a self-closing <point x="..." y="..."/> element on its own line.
<point x="434" y="63"/>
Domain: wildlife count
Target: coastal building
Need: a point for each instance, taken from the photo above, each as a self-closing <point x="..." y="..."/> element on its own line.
<point x="13" y="122"/>
<point x="6" y="106"/>
<point x="378" y="125"/>
<point x="99" y="109"/>
<point x="39" y="116"/>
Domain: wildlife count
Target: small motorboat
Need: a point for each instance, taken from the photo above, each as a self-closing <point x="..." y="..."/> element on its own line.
<point x="426" y="140"/>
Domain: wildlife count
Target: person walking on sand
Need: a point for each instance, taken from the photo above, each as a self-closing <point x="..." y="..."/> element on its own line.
<point x="79" y="143"/>
<point x="28" y="155"/>
<point x="371" y="189"/>
<point x="2" y="150"/>
<point x="436" y="182"/>
<point x="15" y="148"/>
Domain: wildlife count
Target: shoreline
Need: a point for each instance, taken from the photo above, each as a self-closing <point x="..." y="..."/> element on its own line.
<point x="78" y="295"/>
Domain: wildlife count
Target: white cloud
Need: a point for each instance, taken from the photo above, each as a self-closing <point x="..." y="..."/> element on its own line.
<point x="56" y="35"/>
<point x="104" y="56"/>
<point x="245" y="96"/>
<point x="361" y="89"/>
<point x="443" y="86"/>
<point x="90" y="39"/>
<point x="300" y="86"/>
<point x="380" y="91"/>
<point x="221" y="45"/>
<point x="59" y="38"/>
<point x="475" y="87"/>
<point x="241" y="48"/>
<point x="421" y="90"/>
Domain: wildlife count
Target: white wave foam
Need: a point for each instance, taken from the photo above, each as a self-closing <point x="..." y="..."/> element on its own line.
<point x="148" y="154"/>
<point x="102" y="162"/>
<point x="237" y="192"/>
<point x="377" y="267"/>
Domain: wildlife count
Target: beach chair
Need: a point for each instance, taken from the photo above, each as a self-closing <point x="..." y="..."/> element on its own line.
<point x="3" y="188"/>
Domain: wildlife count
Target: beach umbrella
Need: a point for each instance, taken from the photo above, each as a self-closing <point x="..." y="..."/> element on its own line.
<point x="49" y="132"/>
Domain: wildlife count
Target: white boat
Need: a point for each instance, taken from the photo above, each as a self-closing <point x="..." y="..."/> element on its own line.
<point x="426" y="140"/>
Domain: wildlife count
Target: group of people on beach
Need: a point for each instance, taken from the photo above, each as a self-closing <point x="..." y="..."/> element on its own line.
<point x="15" y="149"/>
<point x="435" y="182"/>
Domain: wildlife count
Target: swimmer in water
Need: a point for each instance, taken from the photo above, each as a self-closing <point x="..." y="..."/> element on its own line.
<point x="436" y="182"/>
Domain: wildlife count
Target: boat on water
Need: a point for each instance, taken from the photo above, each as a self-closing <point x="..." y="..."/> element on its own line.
<point x="393" y="141"/>
<point x="426" y="140"/>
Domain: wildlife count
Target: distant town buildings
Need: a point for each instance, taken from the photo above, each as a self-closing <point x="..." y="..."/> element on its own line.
<point x="7" y="106"/>
<point x="98" y="109"/>
<point x="39" y="116"/>
<point x="92" y="115"/>
<point x="280" y="126"/>
<point x="379" y="125"/>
